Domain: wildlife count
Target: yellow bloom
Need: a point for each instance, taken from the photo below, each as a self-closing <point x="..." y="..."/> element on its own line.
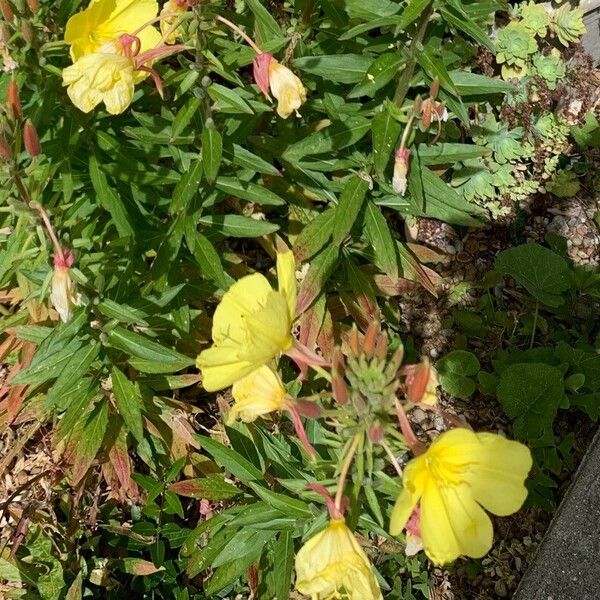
<point x="105" y="20"/>
<point x="251" y="326"/>
<point x="287" y="89"/>
<point x="460" y="473"/>
<point x="170" y="13"/>
<point x="257" y="394"/>
<point x="332" y="562"/>
<point x="96" y="78"/>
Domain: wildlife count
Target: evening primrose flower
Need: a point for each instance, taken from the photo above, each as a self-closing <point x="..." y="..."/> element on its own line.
<point x="460" y="473"/>
<point x="401" y="164"/>
<point x="251" y="326"/>
<point x="106" y="20"/>
<point x="257" y="394"/>
<point x="284" y="85"/>
<point x="63" y="295"/>
<point x="331" y="563"/>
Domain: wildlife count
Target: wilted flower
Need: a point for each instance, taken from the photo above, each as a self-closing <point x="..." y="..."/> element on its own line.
<point x="251" y="326"/>
<point x="399" y="181"/>
<point x="332" y="563"/>
<point x="170" y="14"/>
<point x="421" y="383"/>
<point x="104" y="21"/>
<point x="63" y="294"/>
<point x="284" y="85"/>
<point x="257" y="394"/>
<point x="460" y="473"/>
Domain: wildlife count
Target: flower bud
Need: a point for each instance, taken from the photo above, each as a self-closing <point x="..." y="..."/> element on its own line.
<point x="31" y="139"/>
<point x="4" y="34"/>
<point x="27" y="31"/>
<point x="399" y="181"/>
<point x="33" y="5"/>
<point x="421" y="383"/>
<point x="12" y="96"/>
<point x="5" y="149"/>
<point x="6" y="10"/>
<point x="375" y="433"/>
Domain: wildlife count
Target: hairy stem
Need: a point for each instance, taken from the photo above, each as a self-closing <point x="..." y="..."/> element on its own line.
<point x="339" y="494"/>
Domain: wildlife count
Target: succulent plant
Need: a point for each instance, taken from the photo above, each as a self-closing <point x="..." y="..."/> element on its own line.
<point x="514" y="44"/>
<point x="535" y="18"/>
<point x="550" y="68"/>
<point x="568" y="25"/>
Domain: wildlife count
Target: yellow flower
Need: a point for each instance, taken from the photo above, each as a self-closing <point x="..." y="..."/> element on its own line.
<point x="105" y="20"/>
<point x="332" y="562"/>
<point x="460" y="473"/>
<point x="287" y="89"/>
<point x="257" y="394"/>
<point x="251" y="326"/>
<point x="96" y="78"/>
<point x="170" y="13"/>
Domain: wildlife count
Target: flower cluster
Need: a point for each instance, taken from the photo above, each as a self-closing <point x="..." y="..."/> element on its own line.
<point x="112" y="45"/>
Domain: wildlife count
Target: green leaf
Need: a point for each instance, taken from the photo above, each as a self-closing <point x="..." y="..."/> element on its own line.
<point x="248" y="191"/>
<point x="330" y="139"/>
<point x="380" y="73"/>
<point x="349" y="207"/>
<point x="212" y="487"/>
<point x="448" y="153"/>
<point x="377" y="231"/>
<point x="122" y="312"/>
<point x="371" y="24"/>
<point x="454" y="14"/>
<point x="413" y="10"/>
<point x="206" y="256"/>
<point x="238" y="225"/>
<point x="230" y="460"/>
<point x="184" y="115"/>
<point x="75" y="589"/>
<point x="266" y="26"/>
<point x="542" y="272"/>
<point x="228" y="100"/>
<point x="90" y="441"/>
<point x="187" y="187"/>
<point x="435" y="68"/>
<point x="242" y="157"/>
<point x="291" y="507"/>
<point x="472" y="84"/>
<point x="385" y="133"/>
<point x="531" y="393"/>
<point x="319" y="272"/>
<point x="456" y="370"/>
<point x="283" y="564"/>
<point x="140" y="346"/>
<point x="212" y="151"/>
<point x="47" y="368"/>
<point x="314" y="235"/>
<point x="342" y="68"/>
<point x="128" y="399"/>
<point x="108" y="199"/>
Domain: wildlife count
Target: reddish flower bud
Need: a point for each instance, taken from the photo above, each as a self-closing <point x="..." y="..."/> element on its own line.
<point x="12" y="96"/>
<point x="27" y="31"/>
<point x="6" y="10"/>
<point x="5" y="149"/>
<point x="375" y="433"/>
<point x="31" y="139"/>
<point x="421" y="383"/>
<point x="33" y="5"/>
<point x="4" y="33"/>
<point x="399" y="181"/>
<point x="260" y="69"/>
<point x="370" y="338"/>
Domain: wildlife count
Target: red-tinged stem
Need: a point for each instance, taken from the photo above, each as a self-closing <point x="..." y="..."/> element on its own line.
<point x="300" y="431"/>
<point x="155" y="78"/>
<point x="339" y="494"/>
<point x="46" y="219"/>
<point x="235" y="28"/>
<point x="391" y="456"/>
<point x="409" y="435"/>
<point x="334" y="512"/>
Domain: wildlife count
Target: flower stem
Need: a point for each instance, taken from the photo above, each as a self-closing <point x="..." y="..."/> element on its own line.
<point x="391" y="456"/>
<point x="344" y="471"/>
<point x="235" y="28"/>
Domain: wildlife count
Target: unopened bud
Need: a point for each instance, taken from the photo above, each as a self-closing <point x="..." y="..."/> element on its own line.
<point x="12" y="96"/>
<point x="421" y="383"/>
<point x="4" y="34"/>
<point x="6" y="10"/>
<point x="27" y="31"/>
<point x="371" y="338"/>
<point x="375" y="433"/>
<point x="435" y="88"/>
<point x="33" y="5"/>
<point x="31" y="139"/>
<point x="5" y="149"/>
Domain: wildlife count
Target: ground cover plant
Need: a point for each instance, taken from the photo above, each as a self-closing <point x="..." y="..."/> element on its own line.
<point x="211" y="216"/>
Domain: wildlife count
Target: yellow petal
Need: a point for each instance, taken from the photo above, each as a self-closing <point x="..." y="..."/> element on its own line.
<point x="221" y="367"/>
<point x="286" y="88"/>
<point x="257" y="394"/>
<point x="498" y="480"/>
<point x="245" y="296"/>
<point x="414" y="480"/>
<point x="286" y="278"/>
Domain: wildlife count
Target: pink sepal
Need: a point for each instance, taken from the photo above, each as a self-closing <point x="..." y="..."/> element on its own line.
<point x="65" y="261"/>
<point x="300" y="431"/>
<point x="305" y="357"/>
<point x="334" y="512"/>
<point x="260" y="67"/>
